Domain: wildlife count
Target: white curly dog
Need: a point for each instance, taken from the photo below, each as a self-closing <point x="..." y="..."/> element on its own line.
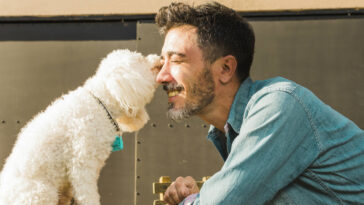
<point x="60" y="152"/>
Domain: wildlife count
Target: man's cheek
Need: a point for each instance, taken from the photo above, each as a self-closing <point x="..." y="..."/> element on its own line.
<point x="176" y="73"/>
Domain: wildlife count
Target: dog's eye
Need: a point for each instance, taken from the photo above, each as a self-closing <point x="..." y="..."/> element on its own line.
<point x="159" y="67"/>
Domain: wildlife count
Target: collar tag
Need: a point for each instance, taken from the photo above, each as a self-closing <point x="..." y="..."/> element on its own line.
<point x="118" y="144"/>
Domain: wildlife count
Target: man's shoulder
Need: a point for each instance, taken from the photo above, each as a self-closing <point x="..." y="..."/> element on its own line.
<point x="283" y="92"/>
<point x="273" y="84"/>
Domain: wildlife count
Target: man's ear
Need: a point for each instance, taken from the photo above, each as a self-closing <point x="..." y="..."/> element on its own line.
<point x="227" y="71"/>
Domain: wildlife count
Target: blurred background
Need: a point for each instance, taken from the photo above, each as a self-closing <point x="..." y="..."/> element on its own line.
<point x="50" y="47"/>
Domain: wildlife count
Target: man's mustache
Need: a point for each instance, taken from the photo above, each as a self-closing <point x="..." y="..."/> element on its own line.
<point x="172" y="87"/>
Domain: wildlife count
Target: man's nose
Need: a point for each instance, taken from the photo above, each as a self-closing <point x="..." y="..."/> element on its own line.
<point x="164" y="74"/>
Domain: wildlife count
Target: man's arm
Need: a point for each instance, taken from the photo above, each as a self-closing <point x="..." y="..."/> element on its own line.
<point x="275" y="145"/>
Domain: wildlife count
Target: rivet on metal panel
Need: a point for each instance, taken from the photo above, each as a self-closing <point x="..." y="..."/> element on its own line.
<point x="187" y="125"/>
<point x="138" y="177"/>
<point x="18" y="121"/>
<point x="138" y="159"/>
<point x="139" y="38"/>
<point x="138" y="194"/>
<point x="153" y="125"/>
<point x="170" y="125"/>
<point x="139" y="142"/>
<point x="204" y="126"/>
<point x="3" y="121"/>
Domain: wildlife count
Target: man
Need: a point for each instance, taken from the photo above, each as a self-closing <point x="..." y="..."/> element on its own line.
<point x="280" y="143"/>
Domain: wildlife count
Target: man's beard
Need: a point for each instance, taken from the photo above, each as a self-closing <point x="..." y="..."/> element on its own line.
<point x="201" y="94"/>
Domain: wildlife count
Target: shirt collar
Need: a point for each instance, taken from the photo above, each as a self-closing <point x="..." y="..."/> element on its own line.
<point x="237" y="109"/>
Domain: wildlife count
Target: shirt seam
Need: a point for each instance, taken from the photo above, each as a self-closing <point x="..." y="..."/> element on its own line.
<point x="291" y="92"/>
<point x="310" y="118"/>
<point x="328" y="190"/>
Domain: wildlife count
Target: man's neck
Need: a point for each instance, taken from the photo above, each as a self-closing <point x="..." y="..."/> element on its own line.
<point x="217" y="112"/>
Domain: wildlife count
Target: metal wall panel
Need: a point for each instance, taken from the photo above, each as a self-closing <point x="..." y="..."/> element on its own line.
<point x="326" y="56"/>
<point x="57" y="30"/>
<point x="33" y="74"/>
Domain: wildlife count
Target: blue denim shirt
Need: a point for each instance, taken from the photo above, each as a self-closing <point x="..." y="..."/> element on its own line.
<point x="285" y="146"/>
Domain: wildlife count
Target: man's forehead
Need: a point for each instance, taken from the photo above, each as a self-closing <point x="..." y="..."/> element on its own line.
<point x="179" y="41"/>
<point x="185" y="27"/>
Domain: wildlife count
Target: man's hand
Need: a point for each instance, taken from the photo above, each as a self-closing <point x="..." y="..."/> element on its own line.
<point x="180" y="189"/>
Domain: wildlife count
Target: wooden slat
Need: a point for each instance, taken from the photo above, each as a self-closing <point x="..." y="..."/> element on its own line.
<point x="160" y="187"/>
<point x="159" y="202"/>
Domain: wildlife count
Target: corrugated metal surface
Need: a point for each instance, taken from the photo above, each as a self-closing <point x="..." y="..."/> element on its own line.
<point x="33" y="74"/>
<point x="325" y="56"/>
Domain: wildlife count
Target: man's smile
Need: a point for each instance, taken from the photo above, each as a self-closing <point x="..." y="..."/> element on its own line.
<point x="172" y="93"/>
<point x="173" y="90"/>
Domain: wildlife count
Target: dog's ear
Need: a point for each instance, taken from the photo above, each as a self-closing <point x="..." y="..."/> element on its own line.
<point x="154" y="60"/>
<point x="128" y="98"/>
<point x="131" y="124"/>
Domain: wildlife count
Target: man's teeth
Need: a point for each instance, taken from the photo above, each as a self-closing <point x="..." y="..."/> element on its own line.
<point x="172" y="93"/>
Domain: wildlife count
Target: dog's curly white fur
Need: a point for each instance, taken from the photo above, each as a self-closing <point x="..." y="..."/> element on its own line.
<point x="64" y="147"/>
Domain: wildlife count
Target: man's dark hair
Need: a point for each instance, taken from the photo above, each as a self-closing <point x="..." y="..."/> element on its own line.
<point x="221" y="31"/>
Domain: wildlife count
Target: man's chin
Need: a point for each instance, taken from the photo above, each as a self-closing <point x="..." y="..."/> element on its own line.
<point x="178" y="114"/>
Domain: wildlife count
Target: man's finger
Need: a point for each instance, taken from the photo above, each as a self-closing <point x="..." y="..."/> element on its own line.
<point x="181" y="187"/>
<point x="175" y="195"/>
<point x="191" y="185"/>
<point x="171" y="196"/>
<point x="183" y="192"/>
<point x="190" y="181"/>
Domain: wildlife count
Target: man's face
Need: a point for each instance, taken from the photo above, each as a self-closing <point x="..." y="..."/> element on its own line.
<point x="185" y="75"/>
